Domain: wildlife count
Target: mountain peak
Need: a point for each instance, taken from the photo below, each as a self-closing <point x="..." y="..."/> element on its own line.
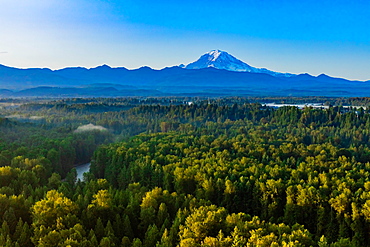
<point x="222" y="60"/>
<point x="215" y="54"/>
<point x="103" y="66"/>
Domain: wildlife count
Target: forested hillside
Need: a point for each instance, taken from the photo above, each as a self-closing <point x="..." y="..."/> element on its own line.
<point x="184" y="172"/>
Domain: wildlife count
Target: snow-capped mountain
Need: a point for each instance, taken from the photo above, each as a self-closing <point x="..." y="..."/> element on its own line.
<point x="223" y="60"/>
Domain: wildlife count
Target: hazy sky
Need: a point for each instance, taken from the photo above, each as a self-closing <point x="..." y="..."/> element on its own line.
<point x="326" y="36"/>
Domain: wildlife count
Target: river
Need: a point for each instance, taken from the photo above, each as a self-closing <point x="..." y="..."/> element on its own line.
<point x="81" y="169"/>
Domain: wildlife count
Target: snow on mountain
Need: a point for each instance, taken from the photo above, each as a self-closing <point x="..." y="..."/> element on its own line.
<point x="223" y="60"/>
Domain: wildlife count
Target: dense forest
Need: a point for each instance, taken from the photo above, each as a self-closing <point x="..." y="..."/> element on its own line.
<point x="184" y="172"/>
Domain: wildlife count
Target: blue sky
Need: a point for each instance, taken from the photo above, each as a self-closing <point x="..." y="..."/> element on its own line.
<point x="326" y="36"/>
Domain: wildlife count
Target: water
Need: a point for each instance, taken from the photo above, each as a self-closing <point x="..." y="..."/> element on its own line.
<point x="300" y="106"/>
<point x="81" y="169"/>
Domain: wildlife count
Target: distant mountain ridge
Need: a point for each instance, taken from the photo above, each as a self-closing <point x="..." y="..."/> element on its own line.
<point x="216" y="73"/>
<point x="222" y="60"/>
